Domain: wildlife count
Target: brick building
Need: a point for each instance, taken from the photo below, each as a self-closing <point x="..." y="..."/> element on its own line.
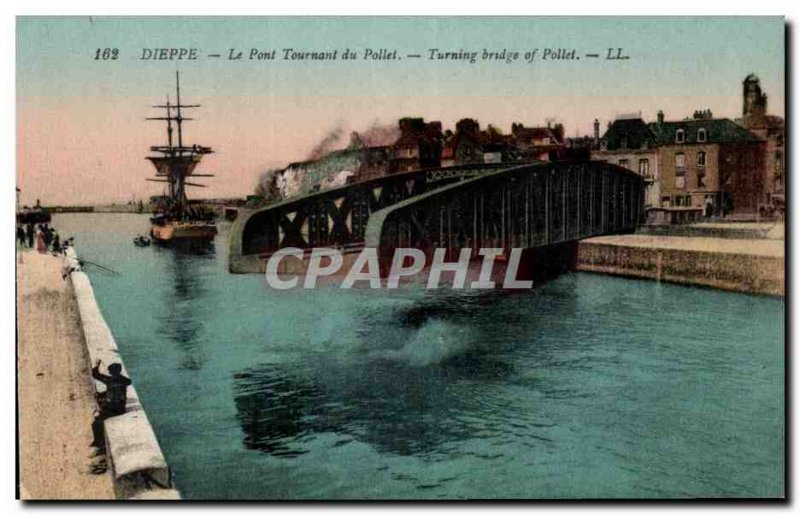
<point x="464" y="146"/>
<point x="771" y="129"/>
<point x="710" y="163"/>
<point x="538" y="143"/>
<point x="419" y="146"/>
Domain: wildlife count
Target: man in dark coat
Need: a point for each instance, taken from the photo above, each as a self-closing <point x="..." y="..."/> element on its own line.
<point x="113" y="403"/>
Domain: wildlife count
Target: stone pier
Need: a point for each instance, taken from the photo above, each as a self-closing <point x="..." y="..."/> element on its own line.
<point x="743" y="265"/>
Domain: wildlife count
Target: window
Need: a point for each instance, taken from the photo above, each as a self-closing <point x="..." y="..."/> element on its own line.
<point x="623" y="163"/>
<point x="701" y="181"/>
<point x="623" y="143"/>
<point x="678" y="201"/>
<point x="679" y="160"/>
<point x="701" y="135"/>
<point x="701" y="158"/>
<point x="644" y="167"/>
<point x="679" y="136"/>
<point x="680" y="182"/>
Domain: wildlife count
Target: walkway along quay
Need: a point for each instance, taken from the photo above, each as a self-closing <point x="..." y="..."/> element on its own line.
<point x="55" y="394"/>
<point x="743" y="265"/>
<point x="136" y="465"/>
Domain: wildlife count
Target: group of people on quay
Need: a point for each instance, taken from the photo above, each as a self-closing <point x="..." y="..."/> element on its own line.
<point x="42" y="237"/>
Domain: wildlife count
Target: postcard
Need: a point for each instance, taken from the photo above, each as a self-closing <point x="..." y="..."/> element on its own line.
<point x="401" y="258"/>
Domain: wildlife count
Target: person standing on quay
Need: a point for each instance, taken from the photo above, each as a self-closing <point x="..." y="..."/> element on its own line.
<point x="29" y="235"/>
<point x="40" y="246"/>
<point x="20" y="235"/>
<point x="48" y="236"/>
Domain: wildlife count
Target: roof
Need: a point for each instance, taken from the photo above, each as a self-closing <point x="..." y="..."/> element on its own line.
<point x="720" y="130"/>
<point x="414" y="134"/>
<point x="761" y="122"/>
<point x="534" y="133"/>
<point x="630" y="133"/>
<point x="520" y="132"/>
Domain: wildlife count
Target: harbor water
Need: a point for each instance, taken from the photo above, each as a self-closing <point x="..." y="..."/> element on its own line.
<point x="589" y="386"/>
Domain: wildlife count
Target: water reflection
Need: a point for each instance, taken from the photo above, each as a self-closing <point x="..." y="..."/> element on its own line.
<point x="415" y="386"/>
<point x="180" y="321"/>
<point x="396" y="413"/>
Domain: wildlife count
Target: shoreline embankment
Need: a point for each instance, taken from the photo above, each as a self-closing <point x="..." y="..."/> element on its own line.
<point x="137" y="465"/>
<point x="746" y="265"/>
<point x="60" y="334"/>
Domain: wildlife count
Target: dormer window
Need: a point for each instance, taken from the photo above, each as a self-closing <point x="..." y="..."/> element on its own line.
<point x="679" y="136"/>
<point x="701" y="135"/>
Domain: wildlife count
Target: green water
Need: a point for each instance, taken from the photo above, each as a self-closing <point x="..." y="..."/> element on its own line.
<point x="590" y="386"/>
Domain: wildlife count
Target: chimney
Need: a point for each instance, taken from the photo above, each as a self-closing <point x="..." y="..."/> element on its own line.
<point x="596" y="130"/>
<point x="660" y="117"/>
<point x="355" y="141"/>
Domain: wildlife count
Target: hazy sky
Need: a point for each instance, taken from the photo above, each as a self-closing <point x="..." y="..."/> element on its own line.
<point x="82" y="137"/>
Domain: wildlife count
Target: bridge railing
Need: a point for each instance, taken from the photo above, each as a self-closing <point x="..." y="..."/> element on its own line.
<point x="523" y="207"/>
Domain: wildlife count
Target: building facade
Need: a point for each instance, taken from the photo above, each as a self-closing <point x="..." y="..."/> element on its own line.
<point x="419" y="146"/>
<point x="630" y="143"/>
<point x="709" y="163"/>
<point x="770" y="129"/>
<point x="538" y="143"/>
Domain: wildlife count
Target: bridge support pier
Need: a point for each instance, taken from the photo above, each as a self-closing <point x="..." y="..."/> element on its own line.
<point x="540" y="264"/>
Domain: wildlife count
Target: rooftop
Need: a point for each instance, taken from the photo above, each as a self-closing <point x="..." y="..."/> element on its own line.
<point x="719" y="130"/>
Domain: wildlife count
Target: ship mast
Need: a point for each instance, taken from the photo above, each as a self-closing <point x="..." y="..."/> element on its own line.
<point x="176" y="162"/>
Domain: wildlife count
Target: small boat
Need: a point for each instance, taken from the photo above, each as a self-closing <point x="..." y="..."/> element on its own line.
<point x="141" y="241"/>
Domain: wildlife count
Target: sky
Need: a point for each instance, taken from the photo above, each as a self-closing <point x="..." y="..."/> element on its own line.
<point x="82" y="135"/>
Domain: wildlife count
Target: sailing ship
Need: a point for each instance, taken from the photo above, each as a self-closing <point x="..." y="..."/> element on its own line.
<point x="176" y="218"/>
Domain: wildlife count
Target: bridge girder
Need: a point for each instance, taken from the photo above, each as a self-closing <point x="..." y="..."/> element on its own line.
<point x="498" y="205"/>
<point x="523" y="207"/>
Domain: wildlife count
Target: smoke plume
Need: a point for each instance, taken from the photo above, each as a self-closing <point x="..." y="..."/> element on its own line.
<point x="327" y="144"/>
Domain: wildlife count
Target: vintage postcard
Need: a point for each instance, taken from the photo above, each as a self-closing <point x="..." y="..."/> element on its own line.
<point x="401" y="258"/>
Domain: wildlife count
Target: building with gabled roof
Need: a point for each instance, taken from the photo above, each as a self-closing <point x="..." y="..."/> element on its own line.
<point x="631" y="143"/>
<point x="419" y="146"/>
<point x="538" y="143"/>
